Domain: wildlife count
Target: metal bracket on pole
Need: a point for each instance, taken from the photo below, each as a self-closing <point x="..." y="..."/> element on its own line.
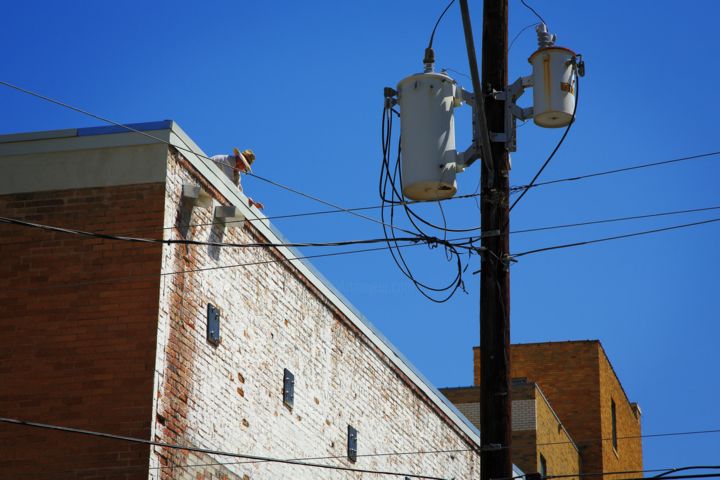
<point x="481" y="140"/>
<point x="468" y="157"/>
<point x="508" y="260"/>
<point x="512" y="112"/>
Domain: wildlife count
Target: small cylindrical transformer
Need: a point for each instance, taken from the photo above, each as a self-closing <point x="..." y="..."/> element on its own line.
<point x="427" y="139"/>
<point x="554" y="86"/>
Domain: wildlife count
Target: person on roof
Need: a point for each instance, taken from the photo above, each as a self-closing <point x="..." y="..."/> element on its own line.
<point x="236" y="163"/>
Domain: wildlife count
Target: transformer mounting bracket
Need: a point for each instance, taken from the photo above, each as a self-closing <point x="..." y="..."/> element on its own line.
<point x="512" y="112"/>
<point x="474" y="152"/>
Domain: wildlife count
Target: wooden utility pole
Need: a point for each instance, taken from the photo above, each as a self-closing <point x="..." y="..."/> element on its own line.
<point x="495" y="401"/>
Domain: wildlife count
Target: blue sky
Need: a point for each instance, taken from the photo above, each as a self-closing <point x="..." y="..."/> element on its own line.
<point x="301" y="84"/>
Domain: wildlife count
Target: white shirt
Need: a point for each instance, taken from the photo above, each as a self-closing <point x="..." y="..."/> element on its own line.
<point x="227" y="164"/>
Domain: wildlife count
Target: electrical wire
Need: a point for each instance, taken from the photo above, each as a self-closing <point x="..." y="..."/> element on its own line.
<point x="186" y="149"/>
<point x="106" y="236"/>
<point x="600" y="474"/>
<point x="337" y="209"/>
<point x="513" y="232"/>
<point x="109" y="279"/>
<point x="264" y="262"/>
<point x="665" y="471"/>
<point x="432" y="35"/>
<point x="517" y="35"/>
<point x="326" y="203"/>
<point x="675" y="477"/>
<point x="446" y="69"/>
<point x="553" y="443"/>
<point x="631" y="437"/>
<point x="692" y="467"/>
<point x="264" y="459"/>
<point x="533" y="11"/>
<point x="326" y="212"/>
<point x="617" y="170"/>
<point x="557" y="147"/>
<point x="254" y="462"/>
<point x="207" y="450"/>
<point x="389" y="190"/>
<point x="613" y="220"/>
<point x="614" y="237"/>
<point x="276" y="217"/>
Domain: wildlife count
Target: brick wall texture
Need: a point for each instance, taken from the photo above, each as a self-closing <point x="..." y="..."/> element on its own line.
<point x="553" y="441"/>
<point x="78" y="338"/>
<point x="111" y="336"/>
<point x="229" y="397"/>
<point x="580" y="384"/>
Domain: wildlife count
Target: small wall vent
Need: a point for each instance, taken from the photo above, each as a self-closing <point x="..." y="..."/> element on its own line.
<point x="213" y="324"/>
<point x="352" y="443"/>
<point x="288" y="388"/>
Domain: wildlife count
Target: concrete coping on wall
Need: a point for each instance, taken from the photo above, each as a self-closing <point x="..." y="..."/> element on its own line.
<point x="170" y="133"/>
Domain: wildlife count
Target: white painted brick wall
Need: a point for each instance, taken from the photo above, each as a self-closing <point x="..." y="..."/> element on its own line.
<point x="270" y="320"/>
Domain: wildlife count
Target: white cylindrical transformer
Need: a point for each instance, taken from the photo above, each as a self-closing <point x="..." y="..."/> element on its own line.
<point x="554" y="84"/>
<point x="427" y="139"/>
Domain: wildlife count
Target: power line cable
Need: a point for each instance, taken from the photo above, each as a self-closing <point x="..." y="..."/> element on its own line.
<point x="324" y="202"/>
<point x="614" y="237"/>
<point x="630" y="437"/>
<point x="665" y="471"/>
<point x="613" y="220"/>
<point x="616" y="170"/>
<point x="107" y="279"/>
<point x="432" y="35"/>
<point x="600" y="474"/>
<point x="390" y="182"/>
<point x="691" y="467"/>
<point x="207" y="450"/>
<point x="253" y="462"/>
<point x="559" y="144"/>
<point x="677" y="477"/>
<point x="255" y="459"/>
<point x="263" y="219"/>
<point x="517" y="35"/>
<point x="264" y="262"/>
<point x="186" y="149"/>
<point x="468" y="245"/>
<point x="264" y="459"/>
<point x="533" y="11"/>
<point x="514" y="232"/>
<point x="106" y="236"/>
<point x="337" y="209"/>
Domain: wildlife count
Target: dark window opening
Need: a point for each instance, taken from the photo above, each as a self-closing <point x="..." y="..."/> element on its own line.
<point x="543" y="466"/>
<point x="614" y="424"/>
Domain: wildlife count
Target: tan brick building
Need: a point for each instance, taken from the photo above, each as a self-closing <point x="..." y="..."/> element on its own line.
<point x="538" y="435"/>
<point x="122" y="337"/>
<point x="569" y="411"/>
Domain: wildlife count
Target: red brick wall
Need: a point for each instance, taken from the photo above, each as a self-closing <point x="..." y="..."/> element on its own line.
<point x="78" y="339"/>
